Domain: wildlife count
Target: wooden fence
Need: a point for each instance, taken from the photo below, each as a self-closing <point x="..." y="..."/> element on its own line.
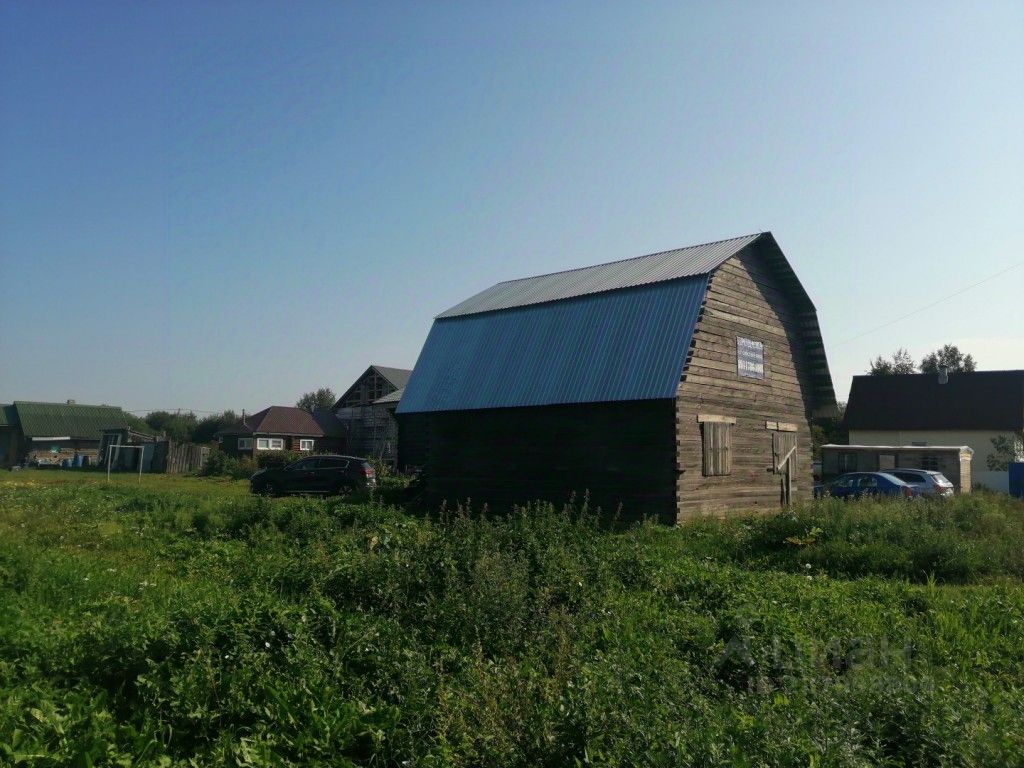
<point x="179" y="458"/>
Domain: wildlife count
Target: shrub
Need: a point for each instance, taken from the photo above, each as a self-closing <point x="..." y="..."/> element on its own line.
<point x="220" y="464"/>
<point x="266" y="459"/>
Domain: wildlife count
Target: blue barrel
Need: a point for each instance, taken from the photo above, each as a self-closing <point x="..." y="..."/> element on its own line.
<point x="65" y="463"/>
<point x="1017" y="479"/>
<point x="79" y="460"/>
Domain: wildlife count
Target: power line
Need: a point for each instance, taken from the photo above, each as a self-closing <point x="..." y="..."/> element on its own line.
<point x="167" y="410"/>
<point x="933" y="304"/>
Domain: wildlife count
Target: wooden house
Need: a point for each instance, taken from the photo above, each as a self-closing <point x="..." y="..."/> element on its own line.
<point x="282" y="428"/>
<point x="48" y="434"/>
<point x="366" y="412"/>
<point x="671" y="385"/>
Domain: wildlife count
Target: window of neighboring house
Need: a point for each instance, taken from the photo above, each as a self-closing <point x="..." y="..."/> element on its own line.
<point x="305" y="445"/>
<point x="245" y="443"/>
<point x="717" y="448"/>
<point x="930" y="461"/>
<point x="277" y="443"/>
<point x="262" y="444"/>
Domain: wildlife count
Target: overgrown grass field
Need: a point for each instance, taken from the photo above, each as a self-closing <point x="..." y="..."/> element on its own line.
<point x="184" y="623"/>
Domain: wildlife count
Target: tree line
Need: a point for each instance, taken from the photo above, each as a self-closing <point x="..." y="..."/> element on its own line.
<point x="949" y="357"/>
<point x="187" y="427"/>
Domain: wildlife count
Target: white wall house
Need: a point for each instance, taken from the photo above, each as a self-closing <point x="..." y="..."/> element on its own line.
<point x="919" y="409"/>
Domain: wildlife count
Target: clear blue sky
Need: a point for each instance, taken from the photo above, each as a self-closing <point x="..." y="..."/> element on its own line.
<point x="223" y="205"/>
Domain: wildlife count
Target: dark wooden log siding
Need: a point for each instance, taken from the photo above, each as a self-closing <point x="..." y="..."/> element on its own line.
<point x="622" y="453"/>
<point x="412" y="440"/>
<point x="745" y="298"/>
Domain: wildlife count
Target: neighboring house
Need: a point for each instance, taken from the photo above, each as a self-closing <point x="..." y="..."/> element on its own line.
<point x="47" y="433"/>
<point x="674" y="385"/>
<point x="278" y="428"/>
<point x="921" y="409"/>
<point x="370" y="429"/>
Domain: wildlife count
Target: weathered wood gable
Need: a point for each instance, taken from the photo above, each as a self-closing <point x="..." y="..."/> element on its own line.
<point x="751" y="296"/>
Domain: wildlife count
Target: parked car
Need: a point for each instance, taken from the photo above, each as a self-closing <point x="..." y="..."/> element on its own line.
<point x="327" y="474"/>
<point x="855" y="485"/>
<point x="925" y="482"/>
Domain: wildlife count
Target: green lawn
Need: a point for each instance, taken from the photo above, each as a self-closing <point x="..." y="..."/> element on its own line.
<point x="183" y="622"/>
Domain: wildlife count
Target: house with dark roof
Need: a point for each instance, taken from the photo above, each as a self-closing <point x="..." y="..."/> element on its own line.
<point x="282" y="428"/>
<point x="926" y="410"/>
<point x="48" y="433"/>
<point x="670" y="385"/>
<point x="366" y="412"/>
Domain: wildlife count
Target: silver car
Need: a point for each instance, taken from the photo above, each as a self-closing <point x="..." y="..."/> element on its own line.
<point x="925" y="481"/>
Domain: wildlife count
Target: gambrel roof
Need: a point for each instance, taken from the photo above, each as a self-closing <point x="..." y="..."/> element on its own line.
<point x="611" y="332"/>
<point x="629" y="273"/>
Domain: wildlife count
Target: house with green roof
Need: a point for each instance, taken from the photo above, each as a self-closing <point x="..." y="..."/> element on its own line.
<point x="46" y="433"/>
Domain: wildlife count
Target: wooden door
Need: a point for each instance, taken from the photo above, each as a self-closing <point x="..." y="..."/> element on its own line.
<point x="784" y="457"/>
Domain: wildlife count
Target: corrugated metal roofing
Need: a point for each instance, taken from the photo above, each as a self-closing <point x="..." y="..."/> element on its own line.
<point x="628" y="344"/>
<point x="394" y="397"/>
<point x="644" y="270"/>
<point x="70" y="419"/>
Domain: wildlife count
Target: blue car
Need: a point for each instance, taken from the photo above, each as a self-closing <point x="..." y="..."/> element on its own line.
<point x="855" y="485"/>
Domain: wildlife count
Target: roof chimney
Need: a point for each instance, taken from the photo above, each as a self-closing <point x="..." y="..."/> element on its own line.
<point x="943" y="375"/>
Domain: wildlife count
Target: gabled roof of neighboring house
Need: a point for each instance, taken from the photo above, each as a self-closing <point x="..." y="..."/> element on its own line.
<point x="8" y="415"/>
<point x="989" y="400"/>
<point x="394" y="397"/>
<point x="72" y="419"/>
<point x="397" y="377"/>
<point x="277" y="420"/>
<point x="329" y="423"/>
<point x="611" y="332"/>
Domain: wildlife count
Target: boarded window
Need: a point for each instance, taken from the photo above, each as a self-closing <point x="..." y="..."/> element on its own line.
<point x="930" y="461"/>
<point x="717" y="448"/>
<point x="783" y="449"/>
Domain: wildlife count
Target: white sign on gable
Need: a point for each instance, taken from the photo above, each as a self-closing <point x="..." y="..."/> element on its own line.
<point x="749" y="358"/>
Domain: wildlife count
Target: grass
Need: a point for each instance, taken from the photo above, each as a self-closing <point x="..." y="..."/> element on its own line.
<point x="184" y="622"/>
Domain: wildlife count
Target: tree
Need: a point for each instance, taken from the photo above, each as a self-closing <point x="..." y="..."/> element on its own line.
<point x="828" y="430"/>
<point x="1005" y="449"/>
<point x="901" y="362"/>
<point x="177" y="426"/>
<point x="210" y="425"/>
<point x="949" y="356"/>
<point x="312" y="401"/>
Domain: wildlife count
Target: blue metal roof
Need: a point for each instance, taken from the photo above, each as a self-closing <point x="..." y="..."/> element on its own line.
<point x="628" y="344"/>
<point x="654" y="268"/>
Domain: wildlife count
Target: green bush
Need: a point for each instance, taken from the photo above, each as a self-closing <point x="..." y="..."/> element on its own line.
<point x="266" y="459"/>
<point x="220" y="464"/>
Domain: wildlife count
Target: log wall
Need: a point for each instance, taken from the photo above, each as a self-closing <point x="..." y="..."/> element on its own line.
<point x="745" y="298"/>
<point x="621" y="453"/>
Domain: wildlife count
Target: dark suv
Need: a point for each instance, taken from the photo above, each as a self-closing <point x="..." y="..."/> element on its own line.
<point x="316" y="474"/>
